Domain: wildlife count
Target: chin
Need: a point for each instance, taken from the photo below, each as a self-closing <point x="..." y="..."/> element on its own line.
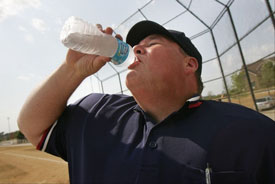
<point x="131" y="76"/>
<point x="132" y="81"/>
<point x="128" y="80"/>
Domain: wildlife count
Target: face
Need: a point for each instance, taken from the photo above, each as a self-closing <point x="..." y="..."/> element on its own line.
<point x="159" y="66"/>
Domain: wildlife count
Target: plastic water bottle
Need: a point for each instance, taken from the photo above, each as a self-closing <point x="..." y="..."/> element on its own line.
<point x="84" y="37"/>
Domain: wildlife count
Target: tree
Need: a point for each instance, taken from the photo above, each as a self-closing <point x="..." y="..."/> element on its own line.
<point x="267" y="76"/>
<point x="1" y="136"/>
<point x="19" y="135"/>
<point x="239" y="82"/>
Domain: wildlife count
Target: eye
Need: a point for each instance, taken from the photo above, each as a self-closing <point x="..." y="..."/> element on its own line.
<point x="152" y="43"/>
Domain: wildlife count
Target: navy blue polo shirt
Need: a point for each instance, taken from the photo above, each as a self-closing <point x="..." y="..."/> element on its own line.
<point x="110" y="139"/>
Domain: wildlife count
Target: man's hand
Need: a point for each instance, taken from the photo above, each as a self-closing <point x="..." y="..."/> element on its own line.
<point x="88" y="64"/>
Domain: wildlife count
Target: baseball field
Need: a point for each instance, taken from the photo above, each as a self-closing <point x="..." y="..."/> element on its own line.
<point x="22" y="164"/>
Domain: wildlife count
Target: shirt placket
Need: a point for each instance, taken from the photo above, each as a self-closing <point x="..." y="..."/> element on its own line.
<point x="149" y="169"/>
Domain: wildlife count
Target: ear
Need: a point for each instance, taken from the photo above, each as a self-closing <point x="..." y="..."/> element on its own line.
<point x="191" y="65"/>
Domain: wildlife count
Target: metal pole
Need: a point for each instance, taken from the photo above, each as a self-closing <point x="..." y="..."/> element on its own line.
<point x="102" y="87"/>
<point x="142" y="14"/>
<point x="270" y="12"/>
<point x="119" y="79"/>
<point x="8" y="118"/>
<point x="220" y="64"/>
<point x="242" y="57"/>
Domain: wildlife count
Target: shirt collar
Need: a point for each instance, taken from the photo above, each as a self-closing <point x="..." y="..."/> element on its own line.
<point x="191" y="102"/>
<point x="194" y="98"/>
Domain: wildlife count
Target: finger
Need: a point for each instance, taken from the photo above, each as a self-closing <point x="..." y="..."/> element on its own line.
<point x="98" y="58"/>
<point x="108" y="30"/>
<point x="119" y="37"/>
<point x="98" y="62"/>
<point x="99" y="26"/>
<point x="105" y="59"/>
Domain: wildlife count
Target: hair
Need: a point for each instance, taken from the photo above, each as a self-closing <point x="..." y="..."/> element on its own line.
<point x="199" y="82"/>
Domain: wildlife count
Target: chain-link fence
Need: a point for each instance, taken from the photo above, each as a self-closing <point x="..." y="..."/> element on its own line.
<point x="235" y="38"/>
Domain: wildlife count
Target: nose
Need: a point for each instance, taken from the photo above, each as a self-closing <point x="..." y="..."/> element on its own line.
<point x="138" y="49"/>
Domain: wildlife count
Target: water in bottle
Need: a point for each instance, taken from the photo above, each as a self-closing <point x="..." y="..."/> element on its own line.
<point x="84" y="37"/>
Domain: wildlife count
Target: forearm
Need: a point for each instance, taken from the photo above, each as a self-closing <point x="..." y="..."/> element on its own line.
<point x="47" y="102"/>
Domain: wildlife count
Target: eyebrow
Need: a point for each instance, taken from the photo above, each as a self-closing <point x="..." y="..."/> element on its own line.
<point x="152" y="37"/>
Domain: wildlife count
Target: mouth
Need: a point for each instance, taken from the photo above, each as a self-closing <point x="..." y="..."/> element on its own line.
<point x="134" y="64"/>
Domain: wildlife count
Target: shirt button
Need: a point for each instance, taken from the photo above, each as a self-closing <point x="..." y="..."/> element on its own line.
<point x="153" y="145"/>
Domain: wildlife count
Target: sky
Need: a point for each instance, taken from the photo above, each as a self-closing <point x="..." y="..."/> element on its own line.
<point x="31" y="50"/>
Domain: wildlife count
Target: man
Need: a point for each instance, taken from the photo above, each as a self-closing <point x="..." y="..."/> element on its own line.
<point x="163" y="134"/>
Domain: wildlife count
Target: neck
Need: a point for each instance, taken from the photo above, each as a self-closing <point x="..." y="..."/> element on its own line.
<point x="160" y="105"/>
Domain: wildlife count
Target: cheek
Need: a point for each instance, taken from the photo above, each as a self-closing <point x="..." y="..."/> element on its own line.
<point x="158" y="59"/>
<point x="166" y="62"/>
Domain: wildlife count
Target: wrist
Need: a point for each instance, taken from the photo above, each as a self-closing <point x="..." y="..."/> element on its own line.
<point x="69" y="74"/>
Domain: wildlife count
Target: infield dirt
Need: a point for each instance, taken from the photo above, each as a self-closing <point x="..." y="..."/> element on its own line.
<point x="24" y="164"/>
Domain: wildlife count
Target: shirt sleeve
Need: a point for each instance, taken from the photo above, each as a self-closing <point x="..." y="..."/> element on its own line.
<point x="60" y="137"/>
<point x="54" y="140"/>
<point x="45" y="138"/>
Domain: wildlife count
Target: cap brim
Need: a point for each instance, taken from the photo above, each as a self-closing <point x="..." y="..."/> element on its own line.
<point x="143" y="29"/>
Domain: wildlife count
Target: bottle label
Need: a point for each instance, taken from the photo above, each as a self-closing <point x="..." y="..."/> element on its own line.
<point x="121" y="53"/>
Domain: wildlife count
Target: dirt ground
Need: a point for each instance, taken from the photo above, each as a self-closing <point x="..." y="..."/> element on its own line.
<point x="23" y="164"/>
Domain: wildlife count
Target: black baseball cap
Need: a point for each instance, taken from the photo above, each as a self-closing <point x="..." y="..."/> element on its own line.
<point x="145" y="28"/>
